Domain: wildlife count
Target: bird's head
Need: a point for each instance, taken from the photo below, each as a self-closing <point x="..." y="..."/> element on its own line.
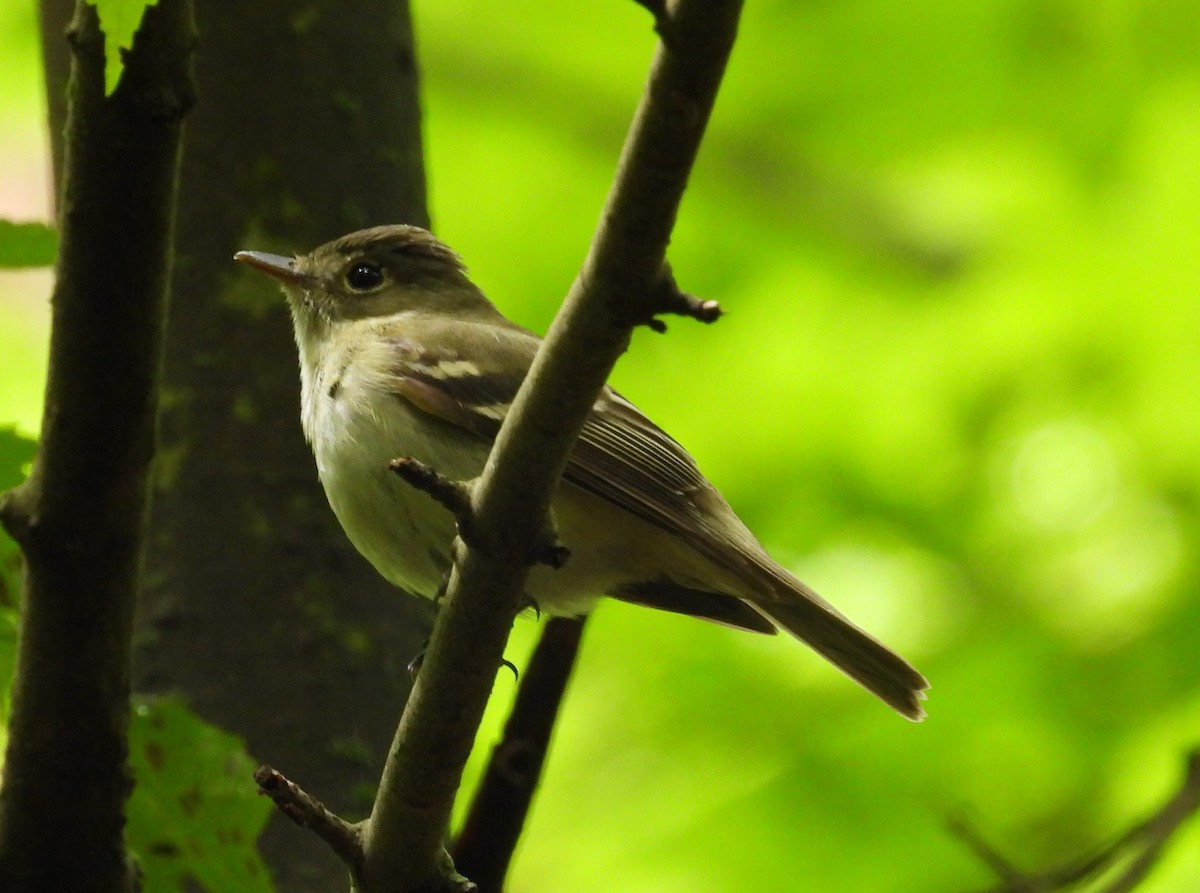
<point x="378" y="272"/>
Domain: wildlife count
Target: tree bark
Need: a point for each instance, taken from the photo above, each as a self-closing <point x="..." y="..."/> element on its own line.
<point x="254" y="605"/>
<point x="79" y="517"/>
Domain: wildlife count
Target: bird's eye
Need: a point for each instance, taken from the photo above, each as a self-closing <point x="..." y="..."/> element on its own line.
<point x="364" y="277"/>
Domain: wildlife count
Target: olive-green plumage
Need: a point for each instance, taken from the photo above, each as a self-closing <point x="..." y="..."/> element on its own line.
<point x="402" y="355"/>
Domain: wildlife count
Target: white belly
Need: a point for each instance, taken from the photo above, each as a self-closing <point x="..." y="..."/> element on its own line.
<point x="407" y="536"/>
<point x="400" y="530"/>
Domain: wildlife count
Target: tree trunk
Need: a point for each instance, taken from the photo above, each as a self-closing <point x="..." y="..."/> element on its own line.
<point x="79" y="518"/>
<point x="254" y="604"/>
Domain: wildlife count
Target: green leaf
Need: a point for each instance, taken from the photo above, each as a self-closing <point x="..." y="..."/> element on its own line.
<point x="8" y="661"/>
<point x="27" y="245"/>
<point x="16" y="452"/>
<point x="119" y="20"/>
<point x="195" y="813"/>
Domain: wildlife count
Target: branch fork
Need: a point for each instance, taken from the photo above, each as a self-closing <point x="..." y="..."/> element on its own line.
<point x="456" y="498"/>
<point x="1127" y="860"/>
<point x="662" y="17"/>
<point x="667" y="297"/>
<point x="344" y="838"/>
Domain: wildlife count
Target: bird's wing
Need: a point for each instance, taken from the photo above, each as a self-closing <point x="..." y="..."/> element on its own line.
<point x="621" y="456"/>
<point x="625" y="458"/>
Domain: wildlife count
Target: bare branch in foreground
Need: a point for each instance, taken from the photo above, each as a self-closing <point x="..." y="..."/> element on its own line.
<point x="484" y="847"/>
<point x="403" y="839"/>
<point x="344" y="838"/>
<point x="453" y="496"/>
<point x="307" y="811"/>
<point x="658" y="9"/>
<point x="667" y="297"/>
<point x="1128" y="860"/>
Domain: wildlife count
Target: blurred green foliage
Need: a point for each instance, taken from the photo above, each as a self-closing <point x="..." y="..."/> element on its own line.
<point x="16" y="452"/>
<point x="195" y="814"/>
<point x="119" y="20"/>
<point x="956" y="390"/>
<point x="27" y="245"/>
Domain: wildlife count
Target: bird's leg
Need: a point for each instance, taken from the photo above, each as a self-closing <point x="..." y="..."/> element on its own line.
<point x="548" y="548"/>
<point x="439" y="596"/>
<point x="528" y="602"/>
<point x="414" y="666"/>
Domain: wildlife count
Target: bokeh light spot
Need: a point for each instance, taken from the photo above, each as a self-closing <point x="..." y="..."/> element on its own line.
<point x="1063" y="475"/>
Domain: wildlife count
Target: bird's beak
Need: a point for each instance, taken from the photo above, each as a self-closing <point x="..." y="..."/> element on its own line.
<point x="282" y="268"/>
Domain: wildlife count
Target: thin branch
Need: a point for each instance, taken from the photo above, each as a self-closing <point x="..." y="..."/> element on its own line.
<point x="484" y="847"/>
<point x="1153" y="835"/>
<point x="79" y="517"/>
<point x="667" y="297"/>
<point x="344" y="838"/>
<point x="1140" y="847"/>
<point x="1012" y="876"/>
<point x="404" y="836"/>
<point x="658" y="9"/>
<point x="454" y="496"/>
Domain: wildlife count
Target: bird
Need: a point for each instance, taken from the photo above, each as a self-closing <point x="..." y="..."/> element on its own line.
<point x="402" y="355"/>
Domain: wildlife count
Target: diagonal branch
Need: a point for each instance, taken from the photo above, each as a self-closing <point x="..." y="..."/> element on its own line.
<point x="1128" y="859"/>
<point x="485" y="845"/>
<point x="453" y="496"/>
<point x="616" y="285"/>
<point x="1148" y="839"/>
<point x="307" y="811"/>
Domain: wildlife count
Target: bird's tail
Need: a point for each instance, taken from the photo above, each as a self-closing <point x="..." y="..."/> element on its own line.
<point x="869" y="663"/>
<point x="801" y="612"/>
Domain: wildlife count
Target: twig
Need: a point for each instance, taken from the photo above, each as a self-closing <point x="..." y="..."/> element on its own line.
<point x="1154" y="833"/>
<point x="1012" y="876"/>
<point x="484" y="847"/>
<point x="344" y="838"/>
<point x="667" y="297"/>
<point x="1141" y="845"/>
<point x="454" y="496"/>
<point x="403" y="843"/>
<point x="662" y="18"/>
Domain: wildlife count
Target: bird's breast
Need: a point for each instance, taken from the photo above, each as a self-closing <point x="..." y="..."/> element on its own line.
<point x="357" y="425"/>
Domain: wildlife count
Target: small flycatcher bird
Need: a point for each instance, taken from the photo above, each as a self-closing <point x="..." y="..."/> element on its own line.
<point x="402" y="355"/>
